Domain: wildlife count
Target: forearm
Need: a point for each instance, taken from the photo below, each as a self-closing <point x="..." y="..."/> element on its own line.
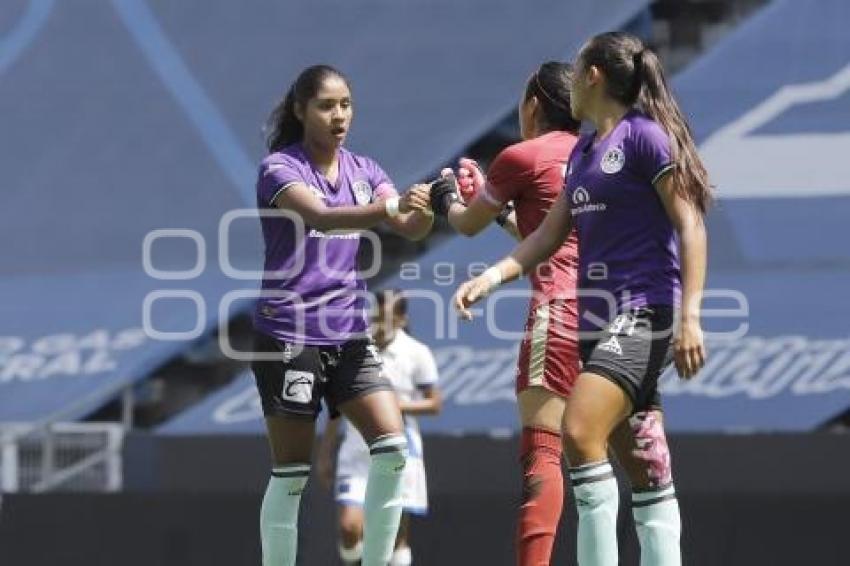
<point x="413" y="226"/>
<point x="460" y="219"/>
<point x="346" y="217"/>
<point x="693" y="255"/>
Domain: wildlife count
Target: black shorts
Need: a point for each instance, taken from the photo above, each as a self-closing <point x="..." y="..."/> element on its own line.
<point x="633" y="351"/>
<point x="295" y="383"/>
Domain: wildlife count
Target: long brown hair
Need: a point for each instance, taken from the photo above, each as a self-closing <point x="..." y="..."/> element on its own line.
<point x="635" y="77"/>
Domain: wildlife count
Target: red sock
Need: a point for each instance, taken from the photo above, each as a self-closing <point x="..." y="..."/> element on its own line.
<point x="543" y="496"/>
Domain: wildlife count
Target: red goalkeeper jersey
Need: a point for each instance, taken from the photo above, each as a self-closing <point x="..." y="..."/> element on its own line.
<point x="531" y="174"/>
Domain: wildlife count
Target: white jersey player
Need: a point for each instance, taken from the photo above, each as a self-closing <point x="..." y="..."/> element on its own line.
<point x="409" y="365"/>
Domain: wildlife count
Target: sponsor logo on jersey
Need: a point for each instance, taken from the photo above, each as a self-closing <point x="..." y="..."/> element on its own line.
<point x="362" y="192"/>
<point x="582" y="204"/>
<point x="581" y="196"/>
<point x="613" y="161"/>
<point x="298" y="386"/>
<point x="313" y="233"/>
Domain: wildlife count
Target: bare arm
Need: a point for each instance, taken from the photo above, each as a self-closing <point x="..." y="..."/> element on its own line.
<point x="303" y="202"/>
<point x="537" y="247"/>
<point x="693" y="252"/>
<point x="414" y="225"/>
<point x="430" y="404"/>
<point x="470" y="219"/>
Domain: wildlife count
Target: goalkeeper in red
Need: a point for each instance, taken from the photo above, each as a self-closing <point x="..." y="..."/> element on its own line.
<point x="522" y="184"/>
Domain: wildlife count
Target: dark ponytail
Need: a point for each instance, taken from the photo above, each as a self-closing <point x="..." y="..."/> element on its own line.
<point x="551" y="84"/>
<point x="635" y="77"/>
<point x="283" y="127"/>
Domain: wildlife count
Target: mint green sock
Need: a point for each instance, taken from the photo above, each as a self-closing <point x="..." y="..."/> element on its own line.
<point x="659" y="526"/>
<point x="279" y="514"/>
<point x="383" y="498"/>
<point x="597" y="500"/>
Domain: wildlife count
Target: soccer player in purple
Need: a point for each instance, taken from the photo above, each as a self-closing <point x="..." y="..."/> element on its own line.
<point x="636" y="193"/>
<point x="311" y="320"/>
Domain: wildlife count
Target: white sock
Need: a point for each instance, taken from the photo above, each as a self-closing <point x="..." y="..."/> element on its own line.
<point x="659" y="526"/>
<point x="597" y="499"/>
<point x="351" y="555"/>
<point x="402" y="557"/>
<point x="279" y="514"/>
<point x="383" y="498"/>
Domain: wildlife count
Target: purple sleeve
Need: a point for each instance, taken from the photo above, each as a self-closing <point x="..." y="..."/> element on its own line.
<point x="382" y="186"/>
<point x="652" y="152"/>
<point x="275" y="177"/>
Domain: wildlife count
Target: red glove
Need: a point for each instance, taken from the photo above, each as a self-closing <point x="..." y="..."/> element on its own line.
<point x="470" y="179"/>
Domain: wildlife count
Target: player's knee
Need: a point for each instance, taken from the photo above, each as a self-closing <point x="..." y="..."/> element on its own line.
<point x="350" y="533"/>
<point x="580" y="438"/>
<point x="389" y="454"/>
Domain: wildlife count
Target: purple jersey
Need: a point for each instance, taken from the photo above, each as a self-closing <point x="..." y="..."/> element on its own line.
<point x="322" y="295"/>
<point x="628" y="249"/>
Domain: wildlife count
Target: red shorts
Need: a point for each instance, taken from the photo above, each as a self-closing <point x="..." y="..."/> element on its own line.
<point x="549" y="353"/>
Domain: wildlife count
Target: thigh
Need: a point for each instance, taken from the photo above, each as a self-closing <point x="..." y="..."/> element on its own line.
<point x="594" y="409"/>
<point x="357" y="389"/>
<point x="290" y="439"/>
<point x="632" y="352"/>
<point x="541" y="408"/>
<point x="354" y="371"/>
<point x="289" y="378"/>
<point x="374" y="415"/>
<point x="548" y="354"/>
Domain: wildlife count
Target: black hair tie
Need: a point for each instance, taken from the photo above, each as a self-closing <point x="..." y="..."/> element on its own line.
<point x="637" y="61"/>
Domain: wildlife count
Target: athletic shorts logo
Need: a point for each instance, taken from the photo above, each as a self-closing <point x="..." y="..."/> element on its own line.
<point x="298" y="386"/>
<point x="373" y="351"/>
<point x="612" y="345"/>
<point x="613" y="161"/>
<point x="362" y="192"/>
<point x="287" y="352"/>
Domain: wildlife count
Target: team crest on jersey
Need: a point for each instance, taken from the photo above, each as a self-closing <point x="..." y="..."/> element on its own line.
<point x="362" y="192"/>
<point x="613" y="161"/>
